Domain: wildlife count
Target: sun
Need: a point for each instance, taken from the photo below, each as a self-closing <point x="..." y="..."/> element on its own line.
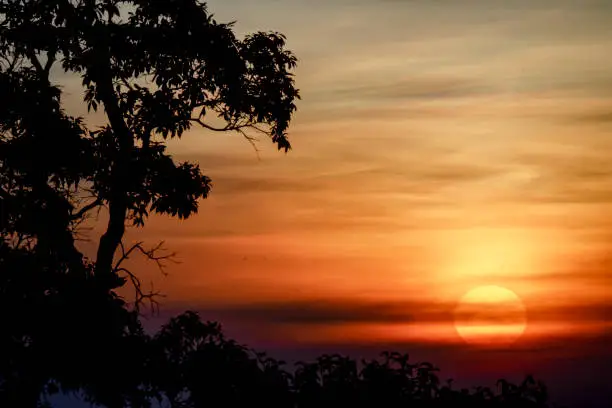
<point x="490" y="316"/>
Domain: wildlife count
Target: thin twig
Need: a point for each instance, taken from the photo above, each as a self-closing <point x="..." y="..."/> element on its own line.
<point x="240" y="128"/>
<point x="150" y="254"/>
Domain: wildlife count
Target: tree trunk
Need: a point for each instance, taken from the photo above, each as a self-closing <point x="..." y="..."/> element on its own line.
<point x="118" y="201"/>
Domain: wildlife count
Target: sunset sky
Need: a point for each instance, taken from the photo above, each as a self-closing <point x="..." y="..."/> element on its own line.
<point x="440" y="145"/>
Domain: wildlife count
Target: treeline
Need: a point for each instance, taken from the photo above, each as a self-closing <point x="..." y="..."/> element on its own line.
<point x="189" y="363"/>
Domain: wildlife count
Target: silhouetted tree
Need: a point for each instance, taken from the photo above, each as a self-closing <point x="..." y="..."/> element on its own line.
<point x="156" y="69"/>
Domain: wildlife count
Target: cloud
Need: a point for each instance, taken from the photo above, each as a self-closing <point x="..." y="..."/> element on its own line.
<point x="415" y="178"/>
<point x="328" y="311"/>
<point x="587" y="312"/>
<point x="574" y="174"/>
<point x="415" y="88"/>
<point x="576" y="275"/>
<point x="321" y="194"/>
<point x="354" y="311"/>
<point x="592" y="118"/>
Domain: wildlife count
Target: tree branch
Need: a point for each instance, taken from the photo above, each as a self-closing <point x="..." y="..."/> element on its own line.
<point x="209" y="127"/>
<point x="34" y="60"/>
<point x="12" y="62"/>
<point x="87" y="208"/>
<point x="126" y="84"/>
<point x="51" y="56"/>
<point x="151" y="254"/>
<point x="251" y="140"/>
<point x="236" y="128"/>
<point x="140" y="295"/>
<point x="118" y="202"/>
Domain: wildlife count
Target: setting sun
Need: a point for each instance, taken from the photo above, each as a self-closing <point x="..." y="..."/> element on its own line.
<point x="490" y="316"/>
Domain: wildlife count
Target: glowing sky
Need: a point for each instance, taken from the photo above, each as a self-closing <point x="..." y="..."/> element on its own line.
<point x="440" y="145"/>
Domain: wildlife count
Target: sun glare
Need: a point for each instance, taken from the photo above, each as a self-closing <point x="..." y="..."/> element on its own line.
<point x="490" y="316"/>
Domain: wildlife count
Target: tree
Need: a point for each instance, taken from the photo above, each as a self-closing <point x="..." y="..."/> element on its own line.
<point x="156" y="69"/>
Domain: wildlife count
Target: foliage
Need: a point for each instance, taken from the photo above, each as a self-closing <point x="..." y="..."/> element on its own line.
<point x="155" y="69"/>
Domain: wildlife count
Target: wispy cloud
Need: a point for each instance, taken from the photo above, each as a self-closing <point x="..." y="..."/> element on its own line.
<point x="416" y="88"/>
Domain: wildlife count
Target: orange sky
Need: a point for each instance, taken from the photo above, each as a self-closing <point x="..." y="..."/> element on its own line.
<point x="439" y="146"/>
